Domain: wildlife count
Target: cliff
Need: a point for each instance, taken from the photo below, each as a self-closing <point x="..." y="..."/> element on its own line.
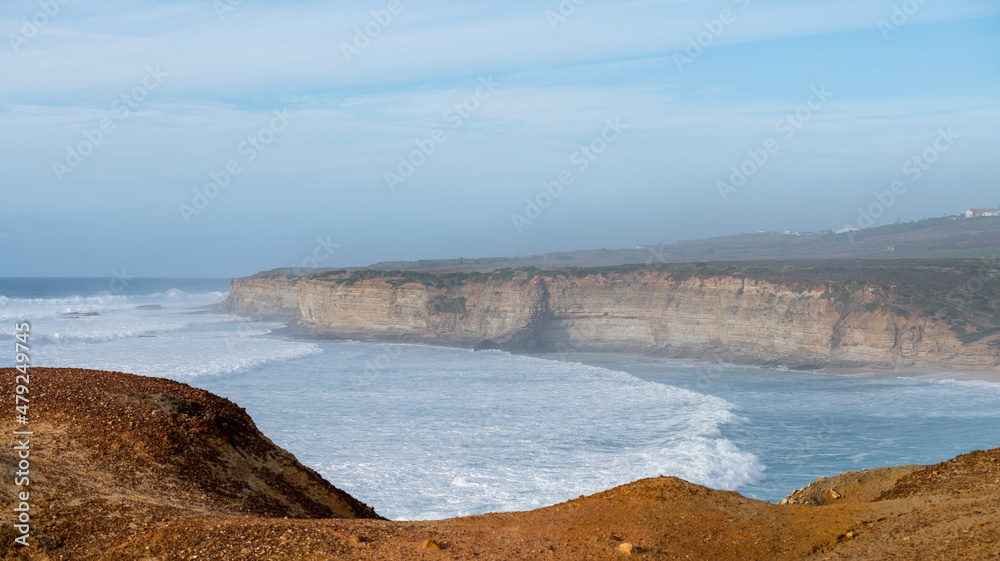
<point x="130" y="468"/>
<point x="739" y="318"/>
<point x="114" y="456"/>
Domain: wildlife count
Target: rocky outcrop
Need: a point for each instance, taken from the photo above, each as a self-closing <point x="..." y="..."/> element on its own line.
<point x="851" y="487"/>
<point x="133" y="436"/>
<point x="730" y="318"/>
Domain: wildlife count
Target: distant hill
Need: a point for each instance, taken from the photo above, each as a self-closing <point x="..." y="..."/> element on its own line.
<point x="931" y="238"/>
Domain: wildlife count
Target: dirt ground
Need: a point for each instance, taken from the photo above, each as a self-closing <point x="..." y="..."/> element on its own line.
<point x="125" y="467"/>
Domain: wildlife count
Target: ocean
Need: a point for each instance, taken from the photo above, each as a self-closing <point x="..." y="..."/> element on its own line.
<point x="422" y="432"/>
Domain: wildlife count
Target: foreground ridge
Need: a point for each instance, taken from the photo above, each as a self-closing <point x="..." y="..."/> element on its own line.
<point x="127" y="467"/>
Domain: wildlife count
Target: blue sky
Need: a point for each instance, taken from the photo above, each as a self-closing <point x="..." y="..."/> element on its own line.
<point x="199" y="82"/>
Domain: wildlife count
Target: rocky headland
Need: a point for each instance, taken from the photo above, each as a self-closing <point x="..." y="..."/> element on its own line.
<point x="131" y="468"/>
<point x="801" y="316"/>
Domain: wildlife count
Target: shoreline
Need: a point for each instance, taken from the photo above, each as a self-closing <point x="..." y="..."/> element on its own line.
<point x="930" y="373"/>
<point x="922" y="373"/>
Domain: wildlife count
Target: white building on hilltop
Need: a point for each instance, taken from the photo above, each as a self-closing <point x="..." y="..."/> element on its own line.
<point x="974" y="212"/>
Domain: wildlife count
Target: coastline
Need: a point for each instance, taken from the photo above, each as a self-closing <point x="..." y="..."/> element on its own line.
<point x="301" y="333"/>
<point x="991" y="376"/>
<point x="772" y="319"/>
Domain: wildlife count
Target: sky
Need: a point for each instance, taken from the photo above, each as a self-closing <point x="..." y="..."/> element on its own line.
<point x="218" y="138"/>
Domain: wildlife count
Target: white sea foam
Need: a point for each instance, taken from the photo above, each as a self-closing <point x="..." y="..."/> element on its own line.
<point x="44" y="308"/>
<point x="433" y="433"/>
<point x="105" y="303"/>
<point x="180" y="357"/>
<point x="421" y="432"/>
<point x="164" y="339"/>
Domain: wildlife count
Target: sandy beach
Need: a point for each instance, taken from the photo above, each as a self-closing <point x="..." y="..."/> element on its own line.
<point x="909" y="372"/>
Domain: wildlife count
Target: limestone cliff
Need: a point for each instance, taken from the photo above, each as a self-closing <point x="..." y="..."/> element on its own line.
<point x="263" y="296"/>
<point x="733" y="318"/>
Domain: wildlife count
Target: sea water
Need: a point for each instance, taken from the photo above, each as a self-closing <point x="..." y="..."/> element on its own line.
<point x="423" y="432"/>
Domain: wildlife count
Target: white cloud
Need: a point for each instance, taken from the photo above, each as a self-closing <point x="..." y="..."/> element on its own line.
<point x="297" y="45"/>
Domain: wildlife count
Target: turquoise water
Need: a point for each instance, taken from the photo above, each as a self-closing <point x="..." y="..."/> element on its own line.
<point x="806" y="425"/>
<point x="423" y="432"/>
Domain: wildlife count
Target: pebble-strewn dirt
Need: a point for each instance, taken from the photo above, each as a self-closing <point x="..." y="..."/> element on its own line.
<point x="125" y="467"/>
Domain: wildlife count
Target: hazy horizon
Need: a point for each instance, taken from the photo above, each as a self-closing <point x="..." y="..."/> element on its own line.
<point x="216" y="139"/>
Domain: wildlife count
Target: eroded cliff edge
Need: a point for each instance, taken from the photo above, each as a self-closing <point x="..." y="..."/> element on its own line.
<point x="799" y="321"/>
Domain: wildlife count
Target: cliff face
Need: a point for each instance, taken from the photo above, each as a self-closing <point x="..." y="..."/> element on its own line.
<point x="464" y="315"/>
<point x="273" y="297"/>
<point x="729" y="318"/>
